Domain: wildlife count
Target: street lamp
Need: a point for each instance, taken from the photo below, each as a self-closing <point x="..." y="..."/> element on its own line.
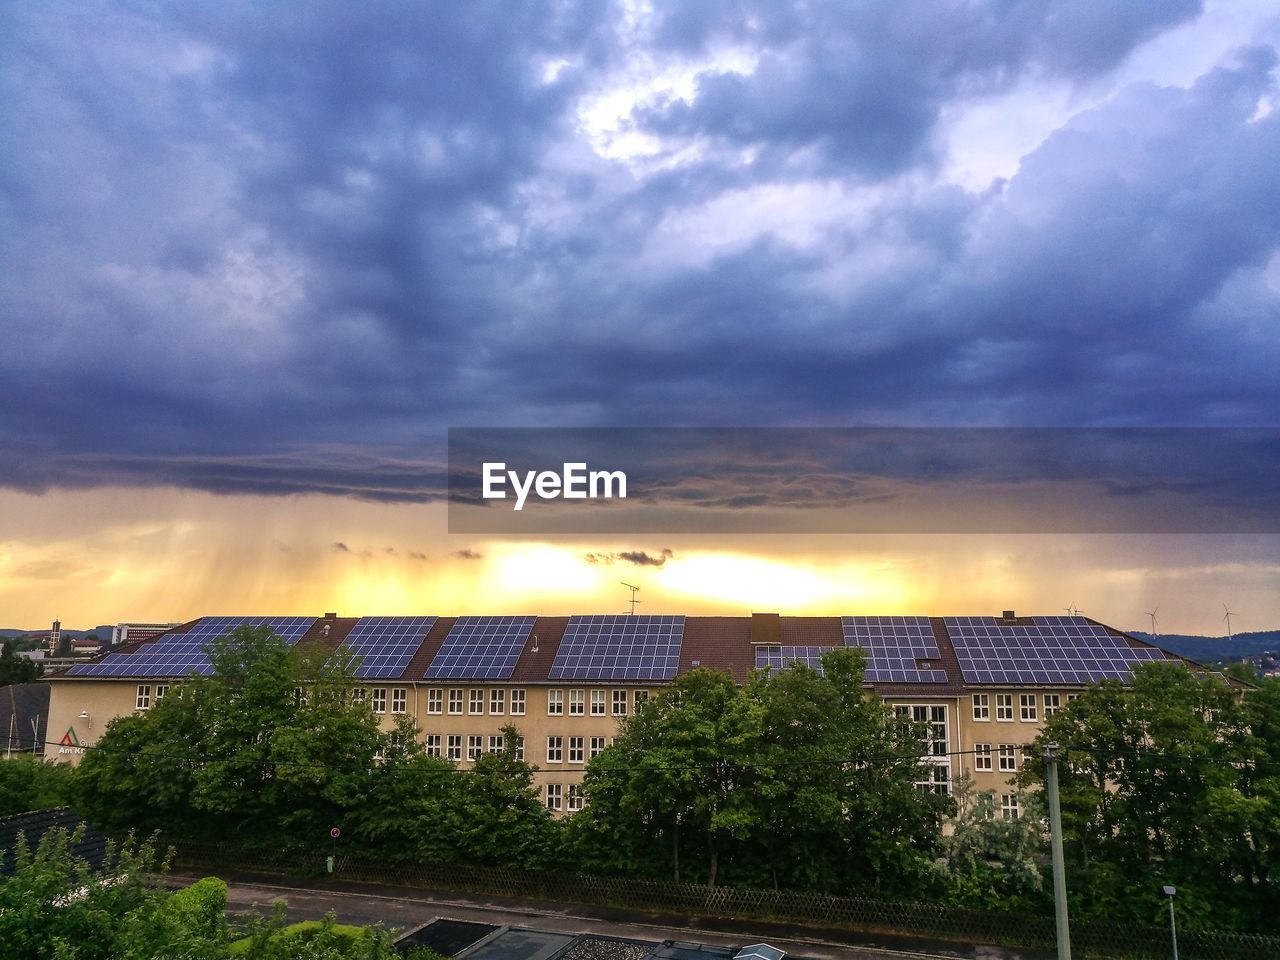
<point x="1173" y="924"/>
<point x="84" y="715"/>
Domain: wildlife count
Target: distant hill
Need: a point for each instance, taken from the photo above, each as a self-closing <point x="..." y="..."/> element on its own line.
<point x="103" y="632"/>
<point x="1215" y="648"/>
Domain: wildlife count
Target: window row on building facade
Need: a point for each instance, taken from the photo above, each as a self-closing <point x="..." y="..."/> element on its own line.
<point x="1027" y="708"/>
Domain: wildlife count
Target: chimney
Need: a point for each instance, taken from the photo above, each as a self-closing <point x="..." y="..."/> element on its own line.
<point x="766" y="628"/>
<point x="331" y="616"/>
<point x="1009" y="615"/>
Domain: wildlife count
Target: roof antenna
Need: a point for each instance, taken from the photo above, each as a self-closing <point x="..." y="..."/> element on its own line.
<point x="634" y="590"/>
<point x="1152" y="615"/>
<point x="1227" y="617"/>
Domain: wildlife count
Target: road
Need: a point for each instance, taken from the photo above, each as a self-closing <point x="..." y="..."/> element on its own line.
<point x="401" y="908"/>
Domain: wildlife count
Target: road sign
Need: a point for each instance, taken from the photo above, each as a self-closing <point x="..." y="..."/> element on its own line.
<point x="335" y="833"/>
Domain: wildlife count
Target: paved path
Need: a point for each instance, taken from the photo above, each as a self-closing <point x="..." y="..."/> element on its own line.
<point x="402" y="908"/>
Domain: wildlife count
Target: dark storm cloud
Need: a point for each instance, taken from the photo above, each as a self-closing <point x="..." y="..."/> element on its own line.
<point x="241" y="237"/>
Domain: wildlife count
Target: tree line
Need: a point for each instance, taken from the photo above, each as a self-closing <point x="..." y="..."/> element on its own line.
<point x="797" y="780"/>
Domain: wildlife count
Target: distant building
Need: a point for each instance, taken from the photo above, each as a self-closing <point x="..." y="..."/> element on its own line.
<point x="84" y="647"/>
<point x="134" y="632"/>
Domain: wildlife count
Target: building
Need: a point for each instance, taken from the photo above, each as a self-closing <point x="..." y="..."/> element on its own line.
<point x="24" y="715"/>
<point x="983" y="685"/>
<point x="124" y="633"/>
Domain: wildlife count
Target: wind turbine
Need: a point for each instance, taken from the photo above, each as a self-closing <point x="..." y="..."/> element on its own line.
<point x="1073" y="610"/>
<point x="1227" y="617"/>
<point x="1152" y="615"/>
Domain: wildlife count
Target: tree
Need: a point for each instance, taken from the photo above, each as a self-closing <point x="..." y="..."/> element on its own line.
<point x="1169" y="781"/>
<point x="797" y="779"/>
<point x="15" y="669"/>
<point x="30" y="784"/>
<point x="990" y="861"/>
<point x="271" y="745"/>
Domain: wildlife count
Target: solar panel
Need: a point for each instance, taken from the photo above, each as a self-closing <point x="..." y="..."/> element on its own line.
<point x="780" y="657"/>
<point x="385" y="645"/>
<point x="481" y="648"/>
<point x="176" y="655"/>
<point x="893" y="645"/>
<point x="619" y="648"/>
<point x="1067" y="650"/>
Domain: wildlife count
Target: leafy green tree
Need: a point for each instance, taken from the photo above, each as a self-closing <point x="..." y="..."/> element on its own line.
<point x="15" y="669"/>
<point x="989" y="861"/>
<point x="270" y="745"/>
<point x="499" y="817"/>
<point x="797" y="779"/>
<point x="54" y="905"/>
<point x="1171" y="781"/>
<point x="30" y="784"/>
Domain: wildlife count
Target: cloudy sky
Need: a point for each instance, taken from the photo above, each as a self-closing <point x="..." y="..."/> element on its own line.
<point x="255" y="259"/>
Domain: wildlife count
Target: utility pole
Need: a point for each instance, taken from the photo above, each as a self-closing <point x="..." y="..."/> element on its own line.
<point x="1055" y="846"/>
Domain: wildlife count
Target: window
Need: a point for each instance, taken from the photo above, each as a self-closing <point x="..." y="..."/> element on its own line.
<point x="981" y="706"/>
<point x="455" y="746"/>
<point x="475" y="702"/>
<point x="936" y="778"/>
<point x="517" y="703"/>
<point x="495" y="743"/>
<point x="379" y="699"/>
<point x="475" y="746"/>
<point x="497" y="702"/>
<point x="554" y="791"/>
<point x="619" y="703"/>
<point x="555" y="703"/>
<point x="161" y="690"/>
<point x="1072" y="696"/>
<point x="433" y="744"/>
<point x="359" y="695"/>
<point x="934" y="717"/>
<point x="399" y="700"/>
<point x="1009" y="806"/>
<point x="640" y="698"/>
<point x="1052" y="704"/>
<point x="597" y="703"/>
<point x="144" y="697"/>
<point x="982" y="756"/>
<point x="1004" y="706"/>
<point x="455" y="702"/>
<point x="575" y="796"/>
<point x="576" y="702"/>
<point x="520" y="748"/>
<point x="299" y="696"/>
<point x="435" y="700"/>
<point x="1008" y="757"/>
<point x="1027" y="706"/>
<point x="575" y="750"/>
<point x="597" y="747"/>
<point x="555" y="749"/>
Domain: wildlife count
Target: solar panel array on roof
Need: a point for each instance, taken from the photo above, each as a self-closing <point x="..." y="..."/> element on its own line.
<point x="893" y="645"/>
<point x="1050" y="650"/>
<point x="783" y="656"/>
<point x="385" y="645"/>
<point x="619" y="648"/>
<point x="481" y="648"/>
<point x="179" y="654"/>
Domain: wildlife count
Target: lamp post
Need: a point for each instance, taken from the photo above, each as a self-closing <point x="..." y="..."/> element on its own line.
<point x="1055" y="848"/>
<point x="1173" y="923"/>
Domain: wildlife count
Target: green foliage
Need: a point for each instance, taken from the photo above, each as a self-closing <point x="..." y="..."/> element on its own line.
<point x="54" y="905"/>
<point x="721" y="783"/>
<point x="1174" y="781"/>
<point x="30" y="784"/>
<point x="15" y="669"/>
<point x="987" y="860"/>
<point x="271" y="939"/>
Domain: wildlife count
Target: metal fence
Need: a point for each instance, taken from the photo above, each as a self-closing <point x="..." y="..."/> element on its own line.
<point x="1090" y="940"/>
